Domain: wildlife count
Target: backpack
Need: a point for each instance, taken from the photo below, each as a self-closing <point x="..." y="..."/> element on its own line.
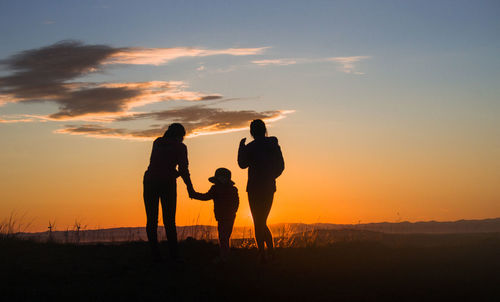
<point x="276" y="162"/>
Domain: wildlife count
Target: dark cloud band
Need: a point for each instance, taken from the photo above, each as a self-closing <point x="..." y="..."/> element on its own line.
<point x="44" y="74"/>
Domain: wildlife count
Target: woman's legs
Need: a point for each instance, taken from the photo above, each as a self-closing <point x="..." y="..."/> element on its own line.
<point x="168" y="198"/>
<point x="167" y="193"/>
<point x="260" y="206"/>
<point x="151" y="197"/>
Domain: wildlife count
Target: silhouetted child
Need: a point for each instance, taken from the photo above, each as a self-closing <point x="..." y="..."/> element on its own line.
<point x="226" y="202"/>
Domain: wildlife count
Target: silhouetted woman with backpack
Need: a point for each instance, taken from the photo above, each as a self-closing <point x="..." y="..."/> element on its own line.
<point x="265" y="163"/>
<point x="160" y="185"/>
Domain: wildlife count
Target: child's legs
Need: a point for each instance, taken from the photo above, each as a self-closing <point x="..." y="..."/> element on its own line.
<point x="225" y="228"/>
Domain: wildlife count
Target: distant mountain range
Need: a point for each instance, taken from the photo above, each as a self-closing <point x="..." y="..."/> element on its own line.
<point x="279" y="230"/>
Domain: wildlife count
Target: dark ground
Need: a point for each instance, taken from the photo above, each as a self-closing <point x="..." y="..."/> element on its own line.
<point x="411" y="268"/>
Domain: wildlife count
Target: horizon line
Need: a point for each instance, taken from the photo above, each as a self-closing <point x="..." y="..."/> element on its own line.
<point x="274" y="224"/>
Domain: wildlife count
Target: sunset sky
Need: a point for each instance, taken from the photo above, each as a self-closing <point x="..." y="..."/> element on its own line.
<point x="384" y="110"/>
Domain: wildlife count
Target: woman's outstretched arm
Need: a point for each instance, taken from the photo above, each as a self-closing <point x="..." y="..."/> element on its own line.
<point x="183" y="168"/>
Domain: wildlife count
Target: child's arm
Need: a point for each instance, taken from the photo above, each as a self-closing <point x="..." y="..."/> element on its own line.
<point x="203" y="196"/>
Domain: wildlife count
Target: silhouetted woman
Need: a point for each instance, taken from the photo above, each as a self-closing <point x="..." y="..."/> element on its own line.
<point x="264" y="161"/>
<point x="160" y="184"/>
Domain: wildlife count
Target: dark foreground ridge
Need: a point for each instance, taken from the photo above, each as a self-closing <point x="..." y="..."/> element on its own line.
<point x="414" y="268"/>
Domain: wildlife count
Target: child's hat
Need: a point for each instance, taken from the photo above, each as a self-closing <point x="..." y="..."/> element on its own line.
<point x="222" y="175"/>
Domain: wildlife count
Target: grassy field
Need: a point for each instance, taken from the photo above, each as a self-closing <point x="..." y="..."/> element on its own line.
<point x="392" y="268"/>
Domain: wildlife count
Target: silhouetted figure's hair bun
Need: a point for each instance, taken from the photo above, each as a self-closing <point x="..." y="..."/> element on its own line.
<point x="258" y="128"/>
<point x="175" y="130"/>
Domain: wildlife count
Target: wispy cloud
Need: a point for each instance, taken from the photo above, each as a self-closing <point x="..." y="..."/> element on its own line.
<point x="11" y="120"/>
<point x="22" y="118"/>
<point x="159" y="56"/>
<point x="99" y="131"/>
<point x="346" y="64"/>
<point x="280" y="62"/>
